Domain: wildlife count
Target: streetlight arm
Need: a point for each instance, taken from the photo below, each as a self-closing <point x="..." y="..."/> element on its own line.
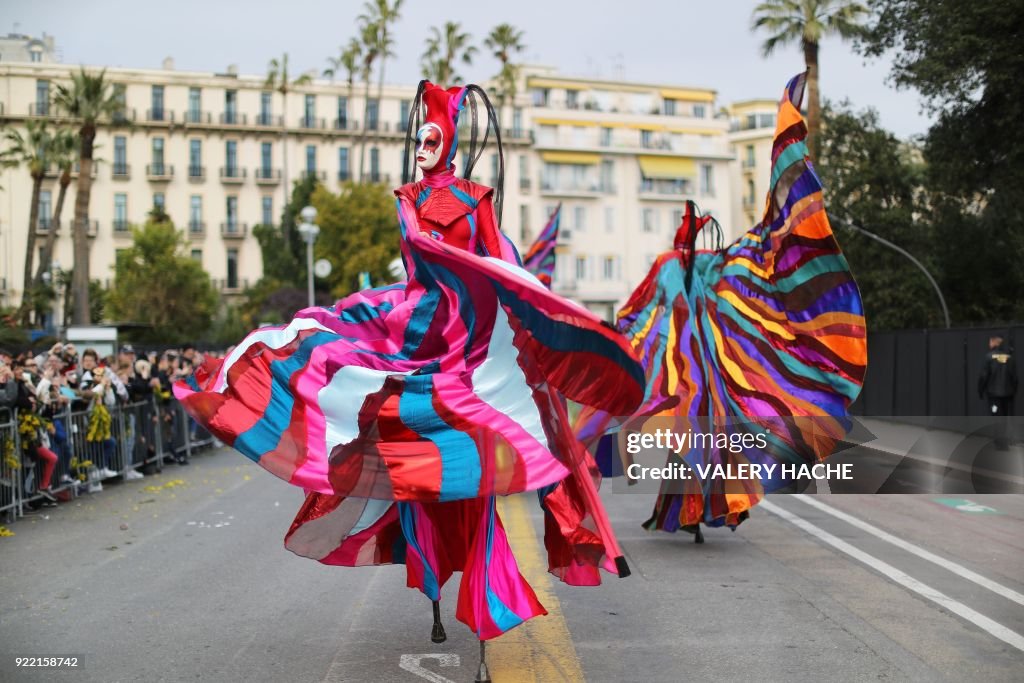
<point x="935" y="285"/>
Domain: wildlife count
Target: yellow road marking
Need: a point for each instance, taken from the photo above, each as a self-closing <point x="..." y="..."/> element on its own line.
<point x="541" y="650"/>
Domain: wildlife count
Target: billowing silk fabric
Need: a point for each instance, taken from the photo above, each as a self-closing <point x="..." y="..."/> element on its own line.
<point x="767" y="334"/>
<point x="403" y="410"/>
<point x="540" y="258"/>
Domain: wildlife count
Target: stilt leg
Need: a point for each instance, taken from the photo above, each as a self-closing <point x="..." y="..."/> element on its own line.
<point x="437" y="634"/>
<point x="698" y="537"/>
<point x="482" y="674"/>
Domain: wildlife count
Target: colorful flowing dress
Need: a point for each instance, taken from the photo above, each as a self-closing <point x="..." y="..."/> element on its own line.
<point x="766" y="335"/>
<point x="403" y="410"/>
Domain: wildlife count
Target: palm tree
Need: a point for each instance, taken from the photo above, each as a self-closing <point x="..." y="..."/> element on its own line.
<point x="443" y="50"/>
<point x="33" y="150"/>
<point x="63" y="148"/>
<point x="504" y="40"/>
<point x="381" y="14"/>
<point x="369" y="41"/>
<point x="807" y="22"/>
<point x="278" y="79"/>
<point x="88" y="99"/>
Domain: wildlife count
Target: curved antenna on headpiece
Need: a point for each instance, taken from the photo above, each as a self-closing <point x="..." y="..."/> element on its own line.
<point x="413" y="125"/>
<point x="474" y="155"/>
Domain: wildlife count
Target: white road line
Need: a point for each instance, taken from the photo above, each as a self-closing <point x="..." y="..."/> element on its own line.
<point x="980" y="620"/>
<point x="957" y="569"/>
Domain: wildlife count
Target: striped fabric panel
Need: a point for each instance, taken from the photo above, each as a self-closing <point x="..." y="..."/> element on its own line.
<point x="540" y="258"/>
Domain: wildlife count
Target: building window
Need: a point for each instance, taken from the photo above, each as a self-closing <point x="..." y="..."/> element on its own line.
<point x="403" y="114"/>
<point x="121" y="97"/>
<point x="159" y="202"/>
<point x="646" y="139"/>
<point x="120" y="155"/>
<point x="120" y="212"/>
<point x="606" y="137"/>
<point x="230" y="106"/>
<point x="231" y="158"/>
<point x="579" y="215"/>
<point x="232" y="214"/>
<point x="675" y="218"/>
<point x="524" y="172"/>
<point x="266" y="158"/>
<point x="342" y="122"/>
<point x="311" y="159"/>
<point x="750" y="156"/>
<point x="525" y="234"/>
<point x="372" y="113"/>
<point x="343" y="170"/>
<point x="158" y="156"/>
<point x="42" y="98"/>
<point x="195" y="105"/>
<point x="699" y="111"/>
<point x="609" y="219"/>
<point x="309" y="117"/>
<point x="766" y="120"/>
<point x="670" y="107"/>
<point x="45" y="210"/>
<point x="751" y="193"/>
<point x="572" y="99"/>
<point x="195" y="213"/>
<point x="581" y="267"/>
<point x="232" y="280"/>
<point x="707" y="180"/>
<point x="611" y="268"/>
<point x="607" y="176"/>
<point x="157" y="103"/>
<point x="267" y="207"/>
<point x="375" y="165"/>
<point x="540" y="96"/>
<point x="197" y="255"/>
<point x="648" y="220"/>
<point x="266" y="108"/>
<point x="195" y="158"/>
<point x="517" y="123"/>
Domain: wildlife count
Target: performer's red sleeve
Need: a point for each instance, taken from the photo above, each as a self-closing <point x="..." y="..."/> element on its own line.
<point x="487" y="227"/>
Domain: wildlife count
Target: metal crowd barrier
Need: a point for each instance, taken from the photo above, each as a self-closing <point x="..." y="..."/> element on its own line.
<point x="141" y="434"/>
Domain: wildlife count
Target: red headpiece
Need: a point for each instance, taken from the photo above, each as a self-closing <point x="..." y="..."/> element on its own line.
<point x="442" y="118"/>
<point x="693" y="223"/>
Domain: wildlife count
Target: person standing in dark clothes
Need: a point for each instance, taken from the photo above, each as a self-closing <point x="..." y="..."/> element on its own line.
<point x="997" y="383"/>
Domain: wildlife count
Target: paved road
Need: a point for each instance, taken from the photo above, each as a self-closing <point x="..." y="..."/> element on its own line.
<point x="182" y="577"/>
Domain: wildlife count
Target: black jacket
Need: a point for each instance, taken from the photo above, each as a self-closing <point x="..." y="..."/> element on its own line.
<point x="998" y="377"/>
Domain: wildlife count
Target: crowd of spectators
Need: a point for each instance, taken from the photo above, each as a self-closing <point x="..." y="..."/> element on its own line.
<point x="41" y="385"/>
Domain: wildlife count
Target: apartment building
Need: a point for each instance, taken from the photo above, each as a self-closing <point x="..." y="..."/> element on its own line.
<point x="751" y="130"/>
<point x="217" y="152"/>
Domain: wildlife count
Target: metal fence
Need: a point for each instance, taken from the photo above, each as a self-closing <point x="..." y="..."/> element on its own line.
<point x="930" y="372"/>
<point x="141" y="434"/>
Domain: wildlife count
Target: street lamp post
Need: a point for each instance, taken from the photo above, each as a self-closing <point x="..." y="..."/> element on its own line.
<point x="309" y="231"/>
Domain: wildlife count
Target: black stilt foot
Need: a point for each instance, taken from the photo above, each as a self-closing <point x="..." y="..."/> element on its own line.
<point x="621" y="567"/>
<point x="482" y="674"/>
<point x="698" y="537"/>
<point x="437" y="634"/>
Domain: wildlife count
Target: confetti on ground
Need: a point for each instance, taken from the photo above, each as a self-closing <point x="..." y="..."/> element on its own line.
<point x="169" y="485"/>
<point x="4" y="531"/>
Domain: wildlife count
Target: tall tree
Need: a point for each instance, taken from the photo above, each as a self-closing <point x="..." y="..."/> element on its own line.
<point x="157" y="283"/>
<point x="965" y="59"/>
<point x="369" y="42"/>
<point x="444" y="49"/>
<point x="503" y="41"/>
<point x="64" y="150"/>
<point x="807" y="22"/>
<point x="278" y="79"/>
<point x="89" y="99"/>
<point x="34" y="151"/>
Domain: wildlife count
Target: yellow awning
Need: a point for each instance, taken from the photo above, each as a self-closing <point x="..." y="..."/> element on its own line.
<point x="667" y="168"/>
<point x="586" y="158"/>
<point x="691" y="95"/>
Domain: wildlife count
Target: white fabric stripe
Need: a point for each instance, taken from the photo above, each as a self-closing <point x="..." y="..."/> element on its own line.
<point x="274" y="339"/>
<point x="342" y="399"/>
<point x="500" y="383"/>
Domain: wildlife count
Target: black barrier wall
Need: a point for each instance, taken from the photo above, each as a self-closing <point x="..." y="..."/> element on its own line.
<point x="931" y="372"/>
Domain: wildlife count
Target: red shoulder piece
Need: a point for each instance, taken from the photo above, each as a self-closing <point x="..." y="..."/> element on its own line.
<point x="474" y="190"/>
<point x="410" y="191"/>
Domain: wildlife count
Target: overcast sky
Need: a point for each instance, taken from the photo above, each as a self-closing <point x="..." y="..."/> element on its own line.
<point x="704" y="43"/>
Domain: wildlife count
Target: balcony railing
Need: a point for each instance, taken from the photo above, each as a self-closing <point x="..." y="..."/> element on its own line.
<point x="120" y="171"/>
<point x="193" y="116"/>
<point x="665" y="188"/>
<point x="230" y="118"/>
<point x="312" y="123"/>
<point x="76" y="168"/>
<point x="160" y="116"/>
<point x="524" y="184"/>
<point x="196" y="229"/>
<point x="122" y="117"/>
<point x="42" y="109"/>
<point x="44" y="225"/>
<point x="232" y="174"/>
<point x="372" y="177"/>
<point x="197" y="174"/>
<point x="268" y="176"/>
<point x="159" y="172"/>
<point x="233" y="230"/>
<point x="748" y="164"/>
<point x="231" y="286"/>
<point x="344" y="176"/>
<point x="92" y="227"/>
<point x="343" y="124"/>
<point x="264" y="119"/>
<point x="121" y="227"/>
<point x="585" y="188"/>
